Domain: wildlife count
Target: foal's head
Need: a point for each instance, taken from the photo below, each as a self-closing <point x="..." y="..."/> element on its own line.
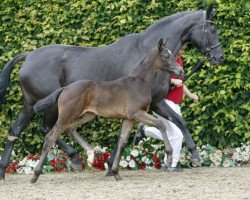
<point x="165" y="61"/>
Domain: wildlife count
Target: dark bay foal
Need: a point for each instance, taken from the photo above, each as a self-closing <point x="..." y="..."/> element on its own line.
<point x="126" y="98"/>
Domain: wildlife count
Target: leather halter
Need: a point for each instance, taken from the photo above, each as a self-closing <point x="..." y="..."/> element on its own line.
<point x="206" y="37"/>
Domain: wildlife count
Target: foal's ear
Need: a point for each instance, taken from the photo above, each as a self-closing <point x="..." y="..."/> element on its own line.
<point x="210" y="11"/>
<point x="160" y="45"/>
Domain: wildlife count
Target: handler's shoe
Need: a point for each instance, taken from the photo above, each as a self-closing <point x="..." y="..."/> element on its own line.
<point x="172" y="169"/>
<point x="140" y="134"/>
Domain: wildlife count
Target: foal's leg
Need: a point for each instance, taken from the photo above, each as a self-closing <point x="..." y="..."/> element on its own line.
<point x="15" y="130"/>
<point x="145" y="118"/>
<point x="49" y="121"/>
<point x="123" y="140"/>
<point x="72" y="130"/>
<point x="50" y="139"/>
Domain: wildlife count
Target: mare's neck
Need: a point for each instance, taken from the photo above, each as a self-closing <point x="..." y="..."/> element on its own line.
<point x="177" y="28"/>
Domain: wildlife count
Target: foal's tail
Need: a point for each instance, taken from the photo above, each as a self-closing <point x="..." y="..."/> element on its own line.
<point x="45" y="103"/>
<point x="5" y="74"/>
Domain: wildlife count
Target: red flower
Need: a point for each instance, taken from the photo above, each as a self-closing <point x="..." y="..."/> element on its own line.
<point x="106" y="156"/>
<point x="157" y="165"/>
<point x="12" y="167"/>
<point x="142" y="165"/>
<point x="100" y="160"/>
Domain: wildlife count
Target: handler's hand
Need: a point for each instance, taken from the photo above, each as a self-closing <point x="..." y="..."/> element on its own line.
<point x="176" y="82"/>
<point x="194" y="97"/>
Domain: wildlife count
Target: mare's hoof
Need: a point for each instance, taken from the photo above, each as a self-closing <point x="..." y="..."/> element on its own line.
<point x="76" y="167"/>
<point x="195" y="162"/>
<point x="117" y="177"/>
<point x="76" y="163"/>
<point x="109" y="173"/>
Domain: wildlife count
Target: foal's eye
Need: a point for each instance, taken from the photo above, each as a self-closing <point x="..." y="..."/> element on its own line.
<point x="213" y="30"/>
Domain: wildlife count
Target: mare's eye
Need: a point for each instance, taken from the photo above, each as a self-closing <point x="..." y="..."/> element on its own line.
<point x="213" y="30"/>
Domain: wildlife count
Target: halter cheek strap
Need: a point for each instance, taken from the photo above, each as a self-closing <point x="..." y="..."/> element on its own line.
<point x="205" y="36"/>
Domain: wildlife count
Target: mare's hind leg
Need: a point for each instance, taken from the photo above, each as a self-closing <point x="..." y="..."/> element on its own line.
<point x="72" y="130"/>
<point x="145" y="118"/>
<point x="15" y="130"/>
<point x="49" y="121"/>
<point x="50" y="139"/>
<point x="164" y="110"/>
<point x="127" y="125"/>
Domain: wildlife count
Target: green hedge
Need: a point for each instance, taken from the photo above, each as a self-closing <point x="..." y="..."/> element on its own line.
<point x="222" y="115"/>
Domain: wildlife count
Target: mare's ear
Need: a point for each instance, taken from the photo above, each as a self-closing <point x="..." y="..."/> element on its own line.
<point x="160" y="45"/>
<point x="210" y="11"/>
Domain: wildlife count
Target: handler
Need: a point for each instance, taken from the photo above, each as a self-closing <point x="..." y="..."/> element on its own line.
<point x="173" y="99"/>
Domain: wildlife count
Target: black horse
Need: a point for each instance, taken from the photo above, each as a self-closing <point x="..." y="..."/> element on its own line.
<point x="51" y="67"/>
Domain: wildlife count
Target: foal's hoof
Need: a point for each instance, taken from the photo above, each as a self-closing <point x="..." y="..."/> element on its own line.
<point x="34" y="179"/>
<point x="109" y="173"/>
<point x="117" y="177"/>
<point x="195" y="162"/>
<point x="2" y="181"/>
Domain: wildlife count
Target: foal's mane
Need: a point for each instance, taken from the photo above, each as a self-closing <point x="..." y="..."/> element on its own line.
<point x="147" y="60"/>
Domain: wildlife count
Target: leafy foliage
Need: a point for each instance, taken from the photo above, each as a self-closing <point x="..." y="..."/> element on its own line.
<point x="222" y="115"/>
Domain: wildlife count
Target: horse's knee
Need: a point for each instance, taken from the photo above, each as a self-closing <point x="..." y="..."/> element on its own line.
<point x="160" y="125"/>
<point x="169" y="150"/>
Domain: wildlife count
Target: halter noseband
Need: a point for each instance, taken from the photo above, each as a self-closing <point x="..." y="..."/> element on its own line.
<point x="206" y="37"/>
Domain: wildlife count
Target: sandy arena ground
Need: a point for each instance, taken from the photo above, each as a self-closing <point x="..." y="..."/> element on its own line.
<point x="195" y="183"/>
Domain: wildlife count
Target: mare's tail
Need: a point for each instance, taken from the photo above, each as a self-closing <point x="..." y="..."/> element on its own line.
<point x="45" y="103"/>
<point x="5" y="74"/>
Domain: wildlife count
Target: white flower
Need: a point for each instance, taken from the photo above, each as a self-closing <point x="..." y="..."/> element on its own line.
<point x="32" y="163"/>
<point x="148" y="161"/>
<point x="128" y="158"/>
<point x="23" y="162"/>
<point x="226" y="163"/>
<point x="123" y="163"/>
<point x="134" y="153"/>
<point x="106" y="166"/>
<point x="244" y="156"/>
<point x="182" y="159"/>
<point x="131" y="163"/>
<point x="143" y="159"/>
<point x="19" y="170"/>
<point x="27" y="170"/>
<point x="217" y="163"/>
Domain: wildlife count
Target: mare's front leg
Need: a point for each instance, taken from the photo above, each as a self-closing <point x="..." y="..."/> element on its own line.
<point x="50" y="139"/>
<point x="145" y="118"/>
<point x="16" y="129"/>
<point x="127" y="125"/>
<point x="164" y="110"/>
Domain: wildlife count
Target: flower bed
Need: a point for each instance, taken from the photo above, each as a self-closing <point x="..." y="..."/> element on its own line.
<point x="144" y="156"/>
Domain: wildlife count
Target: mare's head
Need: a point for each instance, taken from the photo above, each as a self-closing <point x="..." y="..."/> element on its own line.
<point x="204" y="36"/>
<point x="165" y="61"/>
